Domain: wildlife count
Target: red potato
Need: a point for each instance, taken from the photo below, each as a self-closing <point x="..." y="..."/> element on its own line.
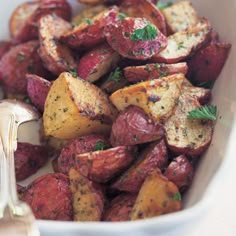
<point x="83" y="144"/>
<point x="37" y="89"/>
<point x="187" y="136"/>
<point x="4" y="47"/>
<point x="206" y="65"/>
<point x="152" y="158"/>
<point x="183" y="44"/>
<point x="120" y="207"/>
<point x="91" y="33"/>
<point x="23" y="22"/>
<point x="133" y="126"/>
<point x="16" y="63"/>
<point x="122" y="38"/>
<point x="97" y="62"/>
<point x="144" y="9"/>
<point x="101" y="166"/>
<point x="49" y="197"/>
<point x="28" y="159"/>
<point x="56" y="56"/>
<point x="180" y="172"/>
<point x="137" y="74"/>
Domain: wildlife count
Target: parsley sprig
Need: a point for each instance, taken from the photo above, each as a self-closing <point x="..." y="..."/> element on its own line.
<point x="204" y="112"/>
<point x="115" y="75"/>
<point x="100" y="146"/>
<point x="149" y="32"/>
<point x="162" y="5"/>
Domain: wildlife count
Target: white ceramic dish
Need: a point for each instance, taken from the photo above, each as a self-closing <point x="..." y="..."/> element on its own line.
<point x="213" y="165"/>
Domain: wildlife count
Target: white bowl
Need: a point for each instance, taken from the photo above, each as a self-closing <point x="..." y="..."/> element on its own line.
<point x="213" y="165"/>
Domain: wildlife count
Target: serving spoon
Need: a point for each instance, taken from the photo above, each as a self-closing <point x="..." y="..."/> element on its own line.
<point x="16" y="217"/>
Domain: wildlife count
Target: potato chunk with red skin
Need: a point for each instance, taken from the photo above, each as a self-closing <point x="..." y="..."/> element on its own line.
<point x="23" y="22"/>
<point x="91" y="33"/>
<point x="79" y="145"/>
<point x="152" y="158"/>
<point x="136" y="74"/>
<point x="120" y="207"/>
<point x="183" y="44"/>
<point x="157" y="196"/>
<point x="28" y="159"/>
<point x="37" y="89"/>
<point x="119" y="38"/>
<point x="88" y="199"/>
<point x="16" y="63"/>
<point x="97" y="62"/>
<point x="144" y="9"/>
<point x="4" y="47"/>
<point x="49" y="197"/>
<point x="101" y="166"/>
<point x="133" y="126"/>
<point x="180" y="172"/>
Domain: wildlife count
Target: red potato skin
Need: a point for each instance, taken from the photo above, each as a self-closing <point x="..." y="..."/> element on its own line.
<point x="133" y="126"/>
<point x="37" y="89"/>
<point x="135" y="74"/>
<point x="49" y="197"/>
<point x="91" y="35"/>
<point x="28" y="30"/>
<point x="101" y="166"/>
<point x="93" y="60"/>
<point x="5" y="47"/>
<point x="180" y="172"/>
<point x="145" y="9"/>
<point x="152" y="158"/>
<point x="16" y="63"/>
<point x="120" y="207"/>
<point x="80" y="145"/>
<point x="118" y="37"/>
<point x="28" y="159"/>
<point x="206" y="65"/>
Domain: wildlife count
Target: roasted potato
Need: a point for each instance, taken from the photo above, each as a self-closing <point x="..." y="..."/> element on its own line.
<point x="124" y="37"/>
<point x="187" y="136"/>
<point x="156" y="97"/>
<point x="75" y="107"/>
<point x="133" y="126"/>
<point x="16" y="63"/>
<point x="183" y="44"/>
<point x="119" y="208"/>
<point x="28" y="159"/>
<point x="87" y="198"/>
<point x="50" y="197"/>
<point x="180" y="16"/>
<point x="97" y="62"/>
<point x="180" y="172"/>
<point x="83" y="144"/>
<point x="144" y="9"/>
<point x="157" y="196"/>
<point x="136" y="74"/>
<point x="152" y="158"/>
<point x="4" y="47"/>
<point x="37" y="90"/>
<point x="91" y="32"/>
<point x="101" y="166"/>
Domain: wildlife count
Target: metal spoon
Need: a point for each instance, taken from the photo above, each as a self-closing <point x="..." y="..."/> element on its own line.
<point x="16" y="217"/>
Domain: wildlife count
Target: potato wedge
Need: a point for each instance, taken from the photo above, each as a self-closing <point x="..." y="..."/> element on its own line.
<point x="97" y="62"/>
<point x="183" y="44"/>
<point x="75" y="107"/>
<point x="187" y="136"/>
<point x="156" y="97"/>
<point x="136" y="74"/>
<point x="157" y="196"/>
<point x="180" y="16"/>
<point x="87" y="198"/>
<point x="153" y="157"/>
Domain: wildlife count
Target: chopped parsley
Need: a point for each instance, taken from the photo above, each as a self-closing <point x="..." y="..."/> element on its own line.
<point x="180" y="45"/>
<point x="100" y="146"/>
<point x="20" y="57"/>
<point x="149" y="32"/>
<point x="162" y="5"/>
<point x="115" y="75"/>
<point x="73" y="72"/>
<point x="204" y="112"/>
<point x="89" y="22"/>
<point x="177" y="197"/>
<point x="121" y="16"/>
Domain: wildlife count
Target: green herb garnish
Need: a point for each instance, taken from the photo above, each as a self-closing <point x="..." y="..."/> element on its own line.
<point x="121" y="16"/>
<point x="73" y="72"/>
<point x="89" y="22"/>
<point x="162" y="5"/>
<point x="204" y="112"/>
<point x="177" y="197"/>
<point x="100" y="146"/>
<point x="180" y="45"/>
<point x="115" y="75"/>
<point x="149" y="32"/>
<point x="20" y="57"/>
